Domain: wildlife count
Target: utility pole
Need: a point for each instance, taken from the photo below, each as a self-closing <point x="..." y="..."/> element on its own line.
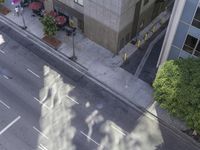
<point x="23" y="20"/>
<point x="19" y="11"/>
<point x="73" y="57"/>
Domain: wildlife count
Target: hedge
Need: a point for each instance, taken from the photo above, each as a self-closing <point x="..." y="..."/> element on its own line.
<point x="177" y="89"/>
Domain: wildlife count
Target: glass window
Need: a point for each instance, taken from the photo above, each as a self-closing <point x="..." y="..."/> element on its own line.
<point x="190" y="44"/>
<point x="197" y="51"/>
<point x="196" y="20"/>
<point x="197" y="14"/>
<point x="80" y="2"/>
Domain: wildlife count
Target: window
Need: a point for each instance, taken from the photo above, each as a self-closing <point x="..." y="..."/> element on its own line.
<point x="197" y="51"/>
<point x="145" y="2"/>
<point x="80" y="2"/>
<point x="196" y="20"/>
<point x="190" y="44"/>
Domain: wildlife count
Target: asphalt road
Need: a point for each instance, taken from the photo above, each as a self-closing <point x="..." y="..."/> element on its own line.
<point x="43" y="109"/>
<point x="148" y="71"/>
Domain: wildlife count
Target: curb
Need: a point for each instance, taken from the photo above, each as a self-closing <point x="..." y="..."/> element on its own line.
<point x="84" y="73"/>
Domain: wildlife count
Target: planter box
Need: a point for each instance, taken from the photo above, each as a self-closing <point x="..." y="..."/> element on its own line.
<point x="52" y="41"/>
<point x="4" y="10"/>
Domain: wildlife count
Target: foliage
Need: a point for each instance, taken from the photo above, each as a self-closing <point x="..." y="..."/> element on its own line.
<point x="177" y="89"/>
<point x="49" y="24"/>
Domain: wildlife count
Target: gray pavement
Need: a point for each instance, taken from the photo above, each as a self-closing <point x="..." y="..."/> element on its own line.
<point x="42" y="108"/>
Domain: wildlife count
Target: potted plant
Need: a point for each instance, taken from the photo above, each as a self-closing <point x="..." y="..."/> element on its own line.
<point x="49" y="25"/>
<point x="50" y="28"/>
<point x="3" y="10"/>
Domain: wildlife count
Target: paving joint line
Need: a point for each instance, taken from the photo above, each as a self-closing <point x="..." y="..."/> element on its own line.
<point x="9" y="125"/>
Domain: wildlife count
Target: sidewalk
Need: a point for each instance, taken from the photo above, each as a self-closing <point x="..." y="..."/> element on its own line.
<point x="102" y="65"/>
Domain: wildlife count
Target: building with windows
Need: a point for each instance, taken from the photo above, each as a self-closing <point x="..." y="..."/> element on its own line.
<point x="182" y="38"/>
<point x="110" y="23"/>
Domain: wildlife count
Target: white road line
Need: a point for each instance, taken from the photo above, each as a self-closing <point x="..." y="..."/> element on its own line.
<point x="2" y="51"/>
<point x="42" y="147"/>
<point x="41" y="103"/>
<point x="33" y="73"/>
<point x="9" y="125"/>
<point x="5" y="76"/>
<point x="72" y="99"/>
<point x="40" y="132"/>
<point x="4" y="104"/>
<point x="90" y="138"/>
<point x="118" y="130"/>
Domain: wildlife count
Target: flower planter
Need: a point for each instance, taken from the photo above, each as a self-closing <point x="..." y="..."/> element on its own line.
<point x="4" y="10"/>
<point x="52" y="41"/>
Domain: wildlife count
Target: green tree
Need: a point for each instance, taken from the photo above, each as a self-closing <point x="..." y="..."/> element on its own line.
<point x="49" y="24"/>
<point x="177" y="89"/>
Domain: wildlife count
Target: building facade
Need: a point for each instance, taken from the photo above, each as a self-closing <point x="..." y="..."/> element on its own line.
<point x="110" y="23"/>
<point x="182" y="38"/>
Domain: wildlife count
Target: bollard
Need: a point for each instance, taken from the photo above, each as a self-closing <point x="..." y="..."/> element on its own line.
<point x="125" y="57"/>
<point x="138" y="43"/>
<point x="154" y="29"/>
<point x="162" y="21"/>
<point x="145" y="36"/>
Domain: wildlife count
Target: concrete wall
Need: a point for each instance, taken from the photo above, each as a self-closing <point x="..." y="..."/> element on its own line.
<point x="146" y="14"/>
<point x="101" y="22"/>
<point x="126" y="22"/>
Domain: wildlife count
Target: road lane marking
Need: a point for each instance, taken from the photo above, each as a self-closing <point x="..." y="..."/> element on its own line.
<point x="90" y="138"/>
<point x="5" y="76"/>
<point x="4" y="104"/>
<point x="33" y="73"/>
<point x="72" y="99"/>
<point x="118" y="130"/>
<point x="2" y="52"/>
<point x="42" y="147"/>
<point x="41" y="103"/>
<point x="40" y="132"/>
<point x="9" y="125"/>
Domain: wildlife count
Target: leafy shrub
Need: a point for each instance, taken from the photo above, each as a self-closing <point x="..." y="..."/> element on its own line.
<point x="177" y="89"/>
<point x="49" y="24"/>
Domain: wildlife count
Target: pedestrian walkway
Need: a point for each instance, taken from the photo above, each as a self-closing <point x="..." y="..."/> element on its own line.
<point x="103" y="65"/>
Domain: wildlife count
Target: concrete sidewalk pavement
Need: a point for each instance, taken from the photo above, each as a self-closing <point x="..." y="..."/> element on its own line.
<point x="102" y="65"/>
